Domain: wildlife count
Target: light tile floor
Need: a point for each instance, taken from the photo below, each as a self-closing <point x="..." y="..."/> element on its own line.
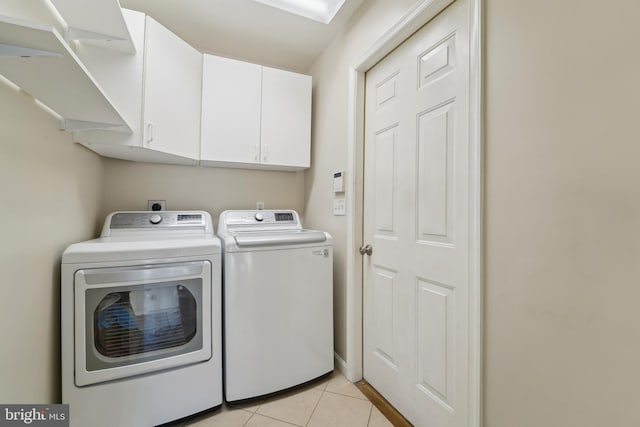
<point x="332" y="402"/>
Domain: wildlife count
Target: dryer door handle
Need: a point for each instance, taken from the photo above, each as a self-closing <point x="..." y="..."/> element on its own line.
<point x="102" y="276"/>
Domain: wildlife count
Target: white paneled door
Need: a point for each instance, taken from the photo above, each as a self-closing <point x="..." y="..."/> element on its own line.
<point x="417" y="220"/>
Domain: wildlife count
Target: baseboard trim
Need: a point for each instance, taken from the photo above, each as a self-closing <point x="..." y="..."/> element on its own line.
<point x="341" y="365"/>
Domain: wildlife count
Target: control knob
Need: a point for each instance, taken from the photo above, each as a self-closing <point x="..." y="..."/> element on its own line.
<point x="259" y="217"/>
<point x="155" y="219"/>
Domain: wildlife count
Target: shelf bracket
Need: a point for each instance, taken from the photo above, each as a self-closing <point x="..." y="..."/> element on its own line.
<point x="25" y="52"/>
<point x="73" y="125"/>
<point x="106" y="41"/>
<point x="73" y="33"/>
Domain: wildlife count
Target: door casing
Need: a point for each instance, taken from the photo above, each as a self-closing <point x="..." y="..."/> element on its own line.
<point x="419" y="15"/>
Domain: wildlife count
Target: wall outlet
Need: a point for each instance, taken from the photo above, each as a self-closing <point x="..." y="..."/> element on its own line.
<point x="339" y="207"/>
<point x="156" y="205"/>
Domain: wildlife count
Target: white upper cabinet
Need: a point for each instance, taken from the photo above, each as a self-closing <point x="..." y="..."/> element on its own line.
<point x="173" y="91"/>
<point x="131" y="89"/>
<point x="254" y="116"/>
<point x="231" y="92"/>
<point x="286" y="118"/>
<point x="159" y="91"/>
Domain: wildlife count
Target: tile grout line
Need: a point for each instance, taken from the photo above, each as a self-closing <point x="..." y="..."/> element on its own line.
<point x="316" y="407"/>
<point x="248" y="419"/>
<point x="364" y="398"/>
<point x="370" y="413"/>
<point x="276" y="419"/>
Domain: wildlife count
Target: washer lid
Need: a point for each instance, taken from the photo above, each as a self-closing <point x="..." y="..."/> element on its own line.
<point x="269" y="238"/>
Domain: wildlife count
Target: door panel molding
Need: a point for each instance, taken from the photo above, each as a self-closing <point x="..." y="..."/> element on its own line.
<point x="420" y="14"/>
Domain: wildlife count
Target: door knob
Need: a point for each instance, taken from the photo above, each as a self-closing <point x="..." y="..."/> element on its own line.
<point x="367" y="249"/>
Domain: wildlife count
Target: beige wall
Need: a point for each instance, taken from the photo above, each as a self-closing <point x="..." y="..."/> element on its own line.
<point x="129" y="185"/>
<point x="329" y="134"/>
<point x="51" y="192"/>
<point x="562" y="213"/>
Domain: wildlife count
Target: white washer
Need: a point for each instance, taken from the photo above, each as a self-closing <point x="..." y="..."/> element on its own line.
<point x="278" y="302"/>
<point x="141" y="321"/>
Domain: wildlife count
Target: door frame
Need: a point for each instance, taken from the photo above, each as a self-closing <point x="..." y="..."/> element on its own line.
<point x="415" y="18"/>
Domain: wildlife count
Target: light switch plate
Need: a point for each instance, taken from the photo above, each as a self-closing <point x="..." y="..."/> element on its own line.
<point x="339" y="207"/>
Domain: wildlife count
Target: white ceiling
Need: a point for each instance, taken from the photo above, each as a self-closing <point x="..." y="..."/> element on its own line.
<point x="247" y="30"/>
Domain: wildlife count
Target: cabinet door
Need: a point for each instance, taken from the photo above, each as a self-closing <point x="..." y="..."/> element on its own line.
<point x="231" y="92"/>
<point x="286" y="118"/>
<point x="173" y="88"/>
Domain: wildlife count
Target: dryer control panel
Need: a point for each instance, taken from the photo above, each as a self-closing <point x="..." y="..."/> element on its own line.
<point x="170" y="221"/>
<point x="155" y="219"/>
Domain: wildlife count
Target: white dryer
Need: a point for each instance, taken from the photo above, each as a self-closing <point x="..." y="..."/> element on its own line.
<point x="141" y="321"/>
<point x="278" y="302"/>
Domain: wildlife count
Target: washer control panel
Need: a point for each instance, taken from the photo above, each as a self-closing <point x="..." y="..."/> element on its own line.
<point x="164" y="219"/>
<point x="271" y="218"/>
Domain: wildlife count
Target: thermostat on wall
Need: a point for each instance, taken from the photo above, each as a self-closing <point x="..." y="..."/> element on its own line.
<point x="338" y="182"/>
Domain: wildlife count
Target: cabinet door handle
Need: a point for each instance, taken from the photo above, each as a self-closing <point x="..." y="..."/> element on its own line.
<point x="256" y="156"/>
<point x="149" y="132"/>
<point x="265" y="153"/>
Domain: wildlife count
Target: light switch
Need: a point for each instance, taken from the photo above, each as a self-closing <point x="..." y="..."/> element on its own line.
<point x="339" y="207"/>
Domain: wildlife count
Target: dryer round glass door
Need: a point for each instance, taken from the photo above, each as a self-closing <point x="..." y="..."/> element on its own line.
<point x="135" y="320"/>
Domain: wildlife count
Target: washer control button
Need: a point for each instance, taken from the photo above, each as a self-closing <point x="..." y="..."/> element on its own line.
<point x="259" y="217"/>
<point x="155" y="219"/>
